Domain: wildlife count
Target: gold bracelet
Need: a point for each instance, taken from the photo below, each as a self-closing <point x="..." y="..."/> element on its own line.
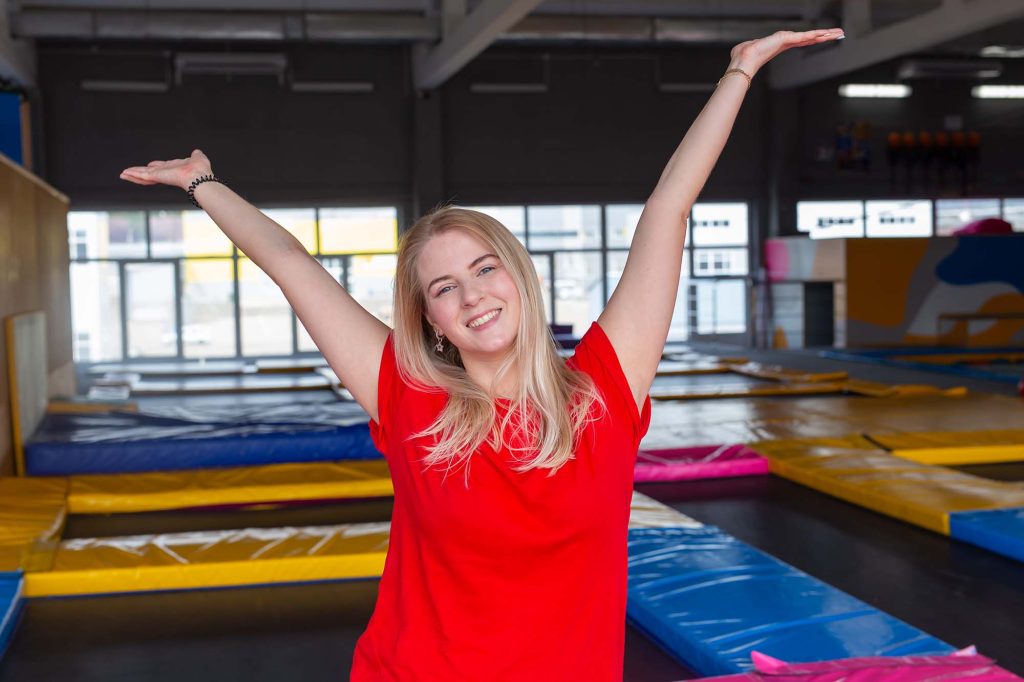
<point x="740" y="72"/>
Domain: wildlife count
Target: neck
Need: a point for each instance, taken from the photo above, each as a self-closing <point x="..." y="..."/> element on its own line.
<point x="483" y="371"/>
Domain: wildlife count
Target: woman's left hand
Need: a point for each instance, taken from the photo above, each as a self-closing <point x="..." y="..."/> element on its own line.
<point x="753" y="54"/>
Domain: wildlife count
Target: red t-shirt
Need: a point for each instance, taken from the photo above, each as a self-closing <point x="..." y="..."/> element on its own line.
<point x="520" y="576"/>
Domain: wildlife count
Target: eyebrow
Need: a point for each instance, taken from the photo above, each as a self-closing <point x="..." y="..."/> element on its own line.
<point x="469" y="267"/>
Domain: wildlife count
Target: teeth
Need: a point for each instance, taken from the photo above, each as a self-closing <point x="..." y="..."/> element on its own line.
<point x="486" y="318"/>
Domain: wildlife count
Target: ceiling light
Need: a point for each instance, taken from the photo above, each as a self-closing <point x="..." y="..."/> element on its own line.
<point x="888" y="90"/>
<point x="998" y="91"/>
<point x="1009" y="51"/>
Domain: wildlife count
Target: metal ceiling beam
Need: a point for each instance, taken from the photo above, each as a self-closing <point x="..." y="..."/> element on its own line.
<point x="471" y="37"/>
<point x="951" y="20"/>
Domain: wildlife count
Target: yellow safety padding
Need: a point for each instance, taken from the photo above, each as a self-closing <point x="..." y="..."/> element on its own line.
<point x="964" y="358"/>
<point x="709" y="392"/>
<point x="696" y="422"/>
<point x="692" y="357"/>
<point x="231" y="558"/>
<point x="875" y="389"/>
<point x="85" y="406"/>
<point x="777" y="373"/>
<point x="953" y="448"/>
<point x="646" y="512"/>
<point x="121" y="493"/>
<point x="855" y="470"/>
<point x="254" y="556"/>
<point x="31" y="510"/>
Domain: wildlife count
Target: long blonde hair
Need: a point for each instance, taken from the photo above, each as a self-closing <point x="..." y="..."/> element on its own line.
<point x="552" y="403"/>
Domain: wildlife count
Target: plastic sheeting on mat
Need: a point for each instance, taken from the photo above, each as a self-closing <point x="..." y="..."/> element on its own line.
<point x="10" y="607"/>
<point x="692" y="423"/>
<point x="997" y="530"/>
<point x="712" y="600"/>
<point x="121" y="493"/>
<point x="709" y="461"/>
<point x="174" y="561"/>
<point x="253" y="556"/>
<point x="853" y="469"/>
<point x="956" y="666"/>
<point x="131" y="442"/>
<point x="777" y="373"/>
<point x="954" y="448"/>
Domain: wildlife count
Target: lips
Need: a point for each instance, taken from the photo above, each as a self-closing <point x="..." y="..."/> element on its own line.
<point x="483" y="315"/>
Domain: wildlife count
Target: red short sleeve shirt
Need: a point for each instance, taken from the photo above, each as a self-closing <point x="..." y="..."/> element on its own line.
<point x="519" y="576"/>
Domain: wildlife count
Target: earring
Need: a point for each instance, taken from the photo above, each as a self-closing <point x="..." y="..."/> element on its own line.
<point x="440" y="340"/>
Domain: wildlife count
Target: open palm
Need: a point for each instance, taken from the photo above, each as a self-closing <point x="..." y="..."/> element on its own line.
<point x="175" y="172"/>
<point x="756" y="53"/>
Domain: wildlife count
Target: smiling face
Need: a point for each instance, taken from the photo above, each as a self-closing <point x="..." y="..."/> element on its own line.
<point x="469" y="294"/>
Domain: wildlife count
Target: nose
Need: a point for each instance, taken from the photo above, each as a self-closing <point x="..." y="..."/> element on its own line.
<point x="471" y="294"/>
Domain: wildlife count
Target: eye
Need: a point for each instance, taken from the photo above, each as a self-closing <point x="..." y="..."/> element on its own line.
<point x="444" y="290"/>
<point x="486" y="268"/>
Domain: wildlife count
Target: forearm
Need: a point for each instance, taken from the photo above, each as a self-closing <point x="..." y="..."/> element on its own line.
<point x="256" y="235"/>
<point x="691" y="164"/>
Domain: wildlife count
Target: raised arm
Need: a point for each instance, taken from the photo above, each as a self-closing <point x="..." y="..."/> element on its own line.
<point x="639" y="313"/>
<point x="350" y="338"/>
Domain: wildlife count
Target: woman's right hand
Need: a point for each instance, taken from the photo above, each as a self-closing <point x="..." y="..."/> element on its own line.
<point x="176" y="172"/>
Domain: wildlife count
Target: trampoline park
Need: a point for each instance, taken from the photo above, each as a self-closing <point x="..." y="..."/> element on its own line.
<point x="832" y="484"/>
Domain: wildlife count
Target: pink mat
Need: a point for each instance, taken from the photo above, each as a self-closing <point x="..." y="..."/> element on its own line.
<point x="963" y="665"/>
<point x="706" y="461"/>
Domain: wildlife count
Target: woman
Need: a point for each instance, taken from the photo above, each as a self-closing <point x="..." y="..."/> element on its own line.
<point x="512" y="469"/>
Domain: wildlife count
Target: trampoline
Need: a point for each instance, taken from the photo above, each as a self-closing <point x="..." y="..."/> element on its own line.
<point x="1005" y="365"/>
<point x="308" y="631"/>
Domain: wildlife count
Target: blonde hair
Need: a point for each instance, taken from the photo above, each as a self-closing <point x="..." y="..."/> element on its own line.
<point x="552" y="403"/>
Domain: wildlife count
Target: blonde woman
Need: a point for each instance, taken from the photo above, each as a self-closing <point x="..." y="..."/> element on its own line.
<point x="512" y="468"/>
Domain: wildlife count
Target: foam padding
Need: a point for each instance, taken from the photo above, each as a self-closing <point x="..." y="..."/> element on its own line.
<point x="776" y="373"/>
<point x="980" y="357"/>
<point x="875" y="389"/>
<point x="853" y="469"/>
<point x="122" y="493"/>
<point x="31" y="511"/>
<point x="955" y="448"/>
<point x="998" y="530"/>
<point x="712" y="600"/>
<point x="254" y="556"/>
<point x="11" y="603"/>
<point x="675" y="368"/>
<point x="121" y="442"/>
<point x="773" y="389"/>
<point x="712" y="461"/>
<point x="82" y="404"/>
<point x="246" y="383"/>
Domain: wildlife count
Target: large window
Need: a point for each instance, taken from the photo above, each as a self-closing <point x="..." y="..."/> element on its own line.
<point x="902" y="217"/>
<point x="580" y="253"/>
<point x="170" y="284"/>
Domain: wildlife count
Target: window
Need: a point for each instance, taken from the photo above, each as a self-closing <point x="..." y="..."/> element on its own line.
<point x="358" y="230"/>
<point x="188" y="290"/>
<point x="899" y="218"/>
<point x="830" y="219"/>
<point x="952" y="214"/>
<point x="99" y="234"/>
<point x="96" y="311"/>
<point x="1013" y="213"/>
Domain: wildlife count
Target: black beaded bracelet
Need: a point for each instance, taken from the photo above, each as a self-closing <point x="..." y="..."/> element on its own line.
<point x="198" y="181"/>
